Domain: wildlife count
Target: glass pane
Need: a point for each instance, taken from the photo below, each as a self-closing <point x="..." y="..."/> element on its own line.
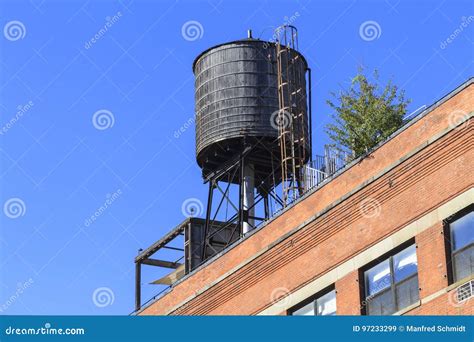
<point x="381" y="304"/>
<point x="407" y="292"/>
<point x="405" y="264"/>
<point x="462" y="231"/>
<point x="307" y="310"/>
<point x="463" y="263"/>
<point x="326" y="305"/>
<point x="377" y="278"/>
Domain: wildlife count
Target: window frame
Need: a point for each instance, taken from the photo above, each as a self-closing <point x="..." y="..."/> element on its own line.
<point x="449" y="243"/>
<point x="313" y="299"/>
<point x="393" y="285"/>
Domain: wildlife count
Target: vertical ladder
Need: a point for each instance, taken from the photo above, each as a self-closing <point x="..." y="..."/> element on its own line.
<point x="291" y="120"/>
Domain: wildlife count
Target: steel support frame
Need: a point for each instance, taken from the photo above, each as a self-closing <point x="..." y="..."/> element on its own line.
<point x="236" y="171"/>
<point x="144" y="258"/>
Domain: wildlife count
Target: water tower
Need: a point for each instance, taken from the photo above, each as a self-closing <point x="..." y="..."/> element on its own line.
<point x="253" y="143"/>
<point x="252" y="128"/>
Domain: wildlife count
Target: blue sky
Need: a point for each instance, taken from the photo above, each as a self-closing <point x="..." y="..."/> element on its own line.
<point x="58" y="166"/>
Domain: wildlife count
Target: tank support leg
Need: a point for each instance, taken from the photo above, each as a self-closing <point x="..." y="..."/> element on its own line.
<point x="248" y="198"/>
<point x="208" y="219"/>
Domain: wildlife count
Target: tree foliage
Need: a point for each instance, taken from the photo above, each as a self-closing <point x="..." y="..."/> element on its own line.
<point x="366" y="114"/>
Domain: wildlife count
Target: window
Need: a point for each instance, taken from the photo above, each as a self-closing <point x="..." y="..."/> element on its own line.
<point x="392" y="284"/>
<point x="320" y="305"/>
<point x="462" y="244"/>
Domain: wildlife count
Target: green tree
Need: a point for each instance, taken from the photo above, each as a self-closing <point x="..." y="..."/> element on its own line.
<point x="365" y="115"/>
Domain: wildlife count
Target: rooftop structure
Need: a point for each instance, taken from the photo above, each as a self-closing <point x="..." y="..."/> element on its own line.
<point x="390" y="232"/>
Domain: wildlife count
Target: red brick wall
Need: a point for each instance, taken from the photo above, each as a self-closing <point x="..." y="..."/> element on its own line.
<point x="444" y="305"/>
<point x="415" y="187"/>
<point x="432" y="269"/>
<point x="348" y="299"/>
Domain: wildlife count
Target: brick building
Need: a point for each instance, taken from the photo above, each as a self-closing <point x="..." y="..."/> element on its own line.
<point x="391" y="233"/>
